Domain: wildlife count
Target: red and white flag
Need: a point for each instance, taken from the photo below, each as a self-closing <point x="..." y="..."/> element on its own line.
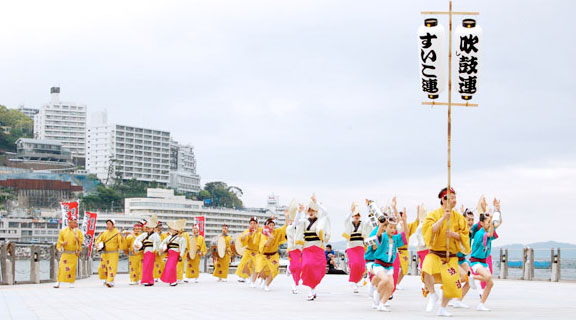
<point x="69" y="210"/>
<point x="88" y="229"/>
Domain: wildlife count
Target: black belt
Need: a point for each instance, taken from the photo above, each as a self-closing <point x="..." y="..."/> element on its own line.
<point x="382" y="263"/>
<point x="270" y="253"/>
<point x="311" y="236"/>
<point x="356" y="237"/>
<point x="369" y="260"/>
<point x="173" y="246"/>
<point x="461" y="258"/>
<point x="441" y="254"/>
<point x="402" y="249"/>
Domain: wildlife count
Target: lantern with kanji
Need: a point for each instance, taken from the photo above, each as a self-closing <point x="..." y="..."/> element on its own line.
<point x="469" y="37"/>
<point x="432" y="52"/>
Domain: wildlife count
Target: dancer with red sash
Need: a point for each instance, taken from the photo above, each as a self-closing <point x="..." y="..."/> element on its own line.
<point x="294" y="250"/>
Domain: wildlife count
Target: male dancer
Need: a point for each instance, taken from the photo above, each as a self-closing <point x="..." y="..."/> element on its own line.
<point x="250" y="238"/>
<point x="110" y="242"/>
<point x="222" y="265"/>
<point x="69" y="243"/>
<point x="193" y="262"/>
<point x="444" y="231"/>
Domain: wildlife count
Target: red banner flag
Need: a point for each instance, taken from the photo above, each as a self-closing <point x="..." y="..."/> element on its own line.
<point x="88" y="229"/>
<point x="201" y="220"/>
<point x="69" y="210"/>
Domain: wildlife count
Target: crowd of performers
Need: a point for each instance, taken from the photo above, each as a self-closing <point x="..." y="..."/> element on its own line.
<point x="453" y="250"/>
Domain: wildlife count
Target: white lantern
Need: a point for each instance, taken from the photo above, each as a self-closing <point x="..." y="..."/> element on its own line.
<point x="432" y="54"/>
<point x="469" y="37"/>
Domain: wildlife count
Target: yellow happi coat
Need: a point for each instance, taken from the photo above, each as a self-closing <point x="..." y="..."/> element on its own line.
<point x="193" y="265"/>
<point x="445" y="272"/>
<point x="135" y="258"/>
<point x="113" y="243"/>
<point x="403" y="253"/>
<point x="160" y="261"/>
<point x="182" y="262"/>
<point x="269" y="259"/>
<point x="247" y="264"/>
<point x="222" y="265"/>
<point x="69" y="257"/>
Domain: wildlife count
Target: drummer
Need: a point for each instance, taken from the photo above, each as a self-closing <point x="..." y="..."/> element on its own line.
<point x="134" y="256"/>
<point x="196" y="250"/>
<point x="250" y="239"/>
<point x="268" y="262"/>
<point x="222" y="264"/>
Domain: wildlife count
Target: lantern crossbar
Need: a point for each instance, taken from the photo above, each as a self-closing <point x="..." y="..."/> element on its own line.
<point x="453" y="104"/>
<point x="462" y="13"/>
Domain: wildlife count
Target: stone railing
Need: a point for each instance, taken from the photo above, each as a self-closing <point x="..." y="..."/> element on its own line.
<point x="30" y="258"/>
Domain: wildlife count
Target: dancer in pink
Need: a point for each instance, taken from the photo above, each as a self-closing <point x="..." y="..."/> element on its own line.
<point x="175" y="244"/>
<point x="355" y="231"/>
<point x="149" y="242"/>
<point x="294" y="250"/>
<point x="312" y="233"/>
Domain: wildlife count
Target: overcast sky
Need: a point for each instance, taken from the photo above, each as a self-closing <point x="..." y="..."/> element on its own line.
<point x="295" y="97"/>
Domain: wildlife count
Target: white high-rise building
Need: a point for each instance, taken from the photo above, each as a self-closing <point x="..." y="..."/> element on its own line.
<point x="64" y="122"/>
<point x="30" y="112"/>
<point x="183" y="176"/>
<point x="124" y="152"/>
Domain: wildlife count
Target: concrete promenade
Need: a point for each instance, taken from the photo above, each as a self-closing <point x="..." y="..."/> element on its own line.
<point x="209" y="299"/>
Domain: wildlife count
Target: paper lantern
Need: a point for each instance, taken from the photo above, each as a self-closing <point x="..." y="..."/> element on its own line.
<point x="469" y="37"/>
<point x="431" y="38"/>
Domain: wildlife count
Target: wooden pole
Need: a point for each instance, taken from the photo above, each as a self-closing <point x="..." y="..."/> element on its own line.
<point x="448" y="201"/>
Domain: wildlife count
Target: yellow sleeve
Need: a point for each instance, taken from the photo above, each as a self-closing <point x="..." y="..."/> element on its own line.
<point x="427" y="233"/>
<point x="202" y="245"/>
<point x="281" y="237"/>
<point x="412" y="227"/>
<point x="346" y="236"/>
<point x="80" y="238"/>
<point x="60" y="240"/>
<point x="464" y="234"/>
<point x="261" y="245"/>
<point x="99" y="237"/>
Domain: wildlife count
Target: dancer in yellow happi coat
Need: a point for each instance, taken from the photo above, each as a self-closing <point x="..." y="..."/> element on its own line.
<point x="222" y="265"/>
<point x="250" y="239"/>
<point x="268" y="262"/>
<point x="109" y="244"/>
<point x="193" y="262"/>
<point x="161" y="258"/>
<point x="437" y="267"/>
<point x="135" y="257"/>
<point x="69" y="243"/>
<point x="403" y="254"/>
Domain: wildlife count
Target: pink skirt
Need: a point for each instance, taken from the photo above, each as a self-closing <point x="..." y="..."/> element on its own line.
<point x="421" y="254"/>
<point x="170" y="270"/>
<point x="313" y="266"/>
<point x="356" y="263"/>
<point x="295" y="267"/>
<point x="148" y="268"/>
<point x="396" y="265"/>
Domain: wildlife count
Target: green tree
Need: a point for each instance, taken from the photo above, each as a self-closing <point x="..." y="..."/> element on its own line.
<point x="13" y="125"/>
<point x="221" y="195"/>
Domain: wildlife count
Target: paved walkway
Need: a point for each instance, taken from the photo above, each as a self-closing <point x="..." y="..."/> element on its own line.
<point x="209" y="299"/>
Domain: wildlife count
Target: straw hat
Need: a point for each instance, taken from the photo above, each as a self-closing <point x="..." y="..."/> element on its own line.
<point x="152" y="222"/>
<point x="355" y="209"/>
<point x="292" y="209"/>
<point x="177" y="225"/>
<point x="312" y="205"/>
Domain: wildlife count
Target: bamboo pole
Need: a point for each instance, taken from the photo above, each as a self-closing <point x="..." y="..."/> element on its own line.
<point x="463" y="13"/>
<point x="448" y="201"/>
<point x="457" y="104"/>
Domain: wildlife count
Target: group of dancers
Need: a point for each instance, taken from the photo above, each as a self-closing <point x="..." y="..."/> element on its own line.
<point x="453" y="250"/>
